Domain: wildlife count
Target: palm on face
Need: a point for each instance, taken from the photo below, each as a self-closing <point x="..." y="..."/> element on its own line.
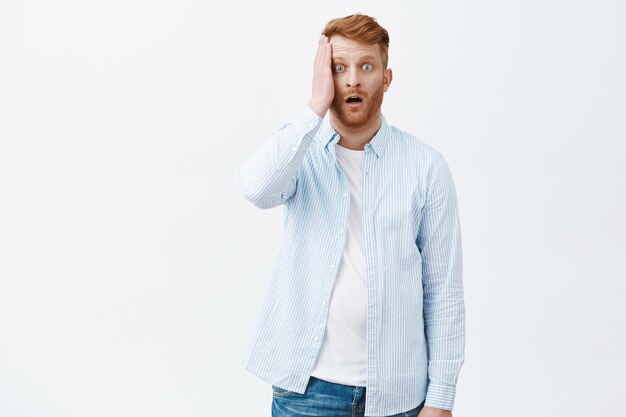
<point x="323" y="88"/>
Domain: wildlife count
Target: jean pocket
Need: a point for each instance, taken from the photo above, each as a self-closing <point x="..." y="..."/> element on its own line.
<point x="280" y="392"/>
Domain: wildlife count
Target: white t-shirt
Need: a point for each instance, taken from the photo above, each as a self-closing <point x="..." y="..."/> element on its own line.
<point x="343" y="355"/>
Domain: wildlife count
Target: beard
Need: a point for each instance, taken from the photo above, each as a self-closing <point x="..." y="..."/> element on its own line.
<point x="358" y="116"/>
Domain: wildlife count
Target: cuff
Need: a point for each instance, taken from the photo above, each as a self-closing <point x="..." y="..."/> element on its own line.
<point x="306" y="119"/>
<point x="440" y="396"/>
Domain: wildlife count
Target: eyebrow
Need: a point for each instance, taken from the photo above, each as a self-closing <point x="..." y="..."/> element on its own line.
<point x="364" y="57"/>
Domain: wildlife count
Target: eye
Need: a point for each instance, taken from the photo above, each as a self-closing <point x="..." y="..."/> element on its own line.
<point x="339" y="68"/>
<point x="367" y="67"/>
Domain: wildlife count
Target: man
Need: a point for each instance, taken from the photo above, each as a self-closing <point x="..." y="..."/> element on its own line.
<point x="364" y="312"/>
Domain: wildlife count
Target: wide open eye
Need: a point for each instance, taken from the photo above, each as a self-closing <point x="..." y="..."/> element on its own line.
<point x="339" y="68"/>
<point x="367" y="67"/>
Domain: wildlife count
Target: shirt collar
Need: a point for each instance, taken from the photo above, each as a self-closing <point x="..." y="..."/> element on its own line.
<point x="327" y="135"/>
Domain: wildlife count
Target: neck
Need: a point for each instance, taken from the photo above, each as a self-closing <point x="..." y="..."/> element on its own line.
<point x="355" y="137"/>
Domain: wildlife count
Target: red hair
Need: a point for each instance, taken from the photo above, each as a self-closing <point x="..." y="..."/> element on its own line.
<point x="360" y="28"/>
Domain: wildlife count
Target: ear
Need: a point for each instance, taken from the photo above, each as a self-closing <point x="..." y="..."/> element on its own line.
<point x="387" y="77"/>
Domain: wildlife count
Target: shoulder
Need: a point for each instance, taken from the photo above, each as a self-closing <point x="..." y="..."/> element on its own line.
<point x="413" y="147"/>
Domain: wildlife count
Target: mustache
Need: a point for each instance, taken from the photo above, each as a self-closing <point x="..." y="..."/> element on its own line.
<point x="355" y="93"/>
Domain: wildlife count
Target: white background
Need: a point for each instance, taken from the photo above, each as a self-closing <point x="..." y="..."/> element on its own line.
<point x="131" y="270"/>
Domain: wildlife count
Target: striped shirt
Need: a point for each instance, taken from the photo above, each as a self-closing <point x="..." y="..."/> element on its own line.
<point x="413" y="262"/>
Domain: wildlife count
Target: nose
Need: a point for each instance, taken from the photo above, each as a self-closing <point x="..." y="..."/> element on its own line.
<point x="352" y="78"/>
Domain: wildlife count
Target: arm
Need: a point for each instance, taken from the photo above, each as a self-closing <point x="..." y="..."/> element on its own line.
<point x="439" y="241"/>
<point x="269" y="177"/>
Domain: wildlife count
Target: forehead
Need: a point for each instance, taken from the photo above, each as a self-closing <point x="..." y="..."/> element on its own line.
<point x="349" y="49"/>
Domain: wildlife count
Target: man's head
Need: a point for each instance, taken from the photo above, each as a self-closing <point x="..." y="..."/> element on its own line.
<point x="359" y="64"/>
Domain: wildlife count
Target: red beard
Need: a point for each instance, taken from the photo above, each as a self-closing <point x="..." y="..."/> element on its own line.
<point x="358" y="116"/>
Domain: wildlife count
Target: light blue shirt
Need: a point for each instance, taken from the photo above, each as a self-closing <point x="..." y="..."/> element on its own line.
<point x="412" y="249"/>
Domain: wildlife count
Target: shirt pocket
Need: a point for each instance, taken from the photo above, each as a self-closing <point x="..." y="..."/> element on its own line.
<point x="396" y="222"/>
<point x="396" y="237"/>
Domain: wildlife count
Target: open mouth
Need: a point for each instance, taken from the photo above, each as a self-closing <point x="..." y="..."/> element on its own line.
<point x="354" y="99"/>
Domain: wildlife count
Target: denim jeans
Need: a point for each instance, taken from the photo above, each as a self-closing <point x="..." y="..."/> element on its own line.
<point x="325" y="399"/>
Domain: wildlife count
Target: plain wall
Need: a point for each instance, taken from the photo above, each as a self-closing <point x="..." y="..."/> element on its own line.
<point x="132" y="271"/>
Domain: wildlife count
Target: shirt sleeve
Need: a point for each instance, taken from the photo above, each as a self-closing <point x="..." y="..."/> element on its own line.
<point x="268" y="178"/>
<point x="439" y="240"/>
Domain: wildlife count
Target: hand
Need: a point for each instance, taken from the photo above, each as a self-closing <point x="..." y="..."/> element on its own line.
<point x="323" y="85"/>
<point x="434" y="412"/>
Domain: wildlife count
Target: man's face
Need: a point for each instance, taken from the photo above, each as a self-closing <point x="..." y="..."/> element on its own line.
<point x="357" y="72"/>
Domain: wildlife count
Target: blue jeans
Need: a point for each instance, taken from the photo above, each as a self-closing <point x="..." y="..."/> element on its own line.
<point x="325" y="399"/>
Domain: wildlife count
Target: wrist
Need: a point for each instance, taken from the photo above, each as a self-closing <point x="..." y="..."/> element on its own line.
<point x="318" y="107"/>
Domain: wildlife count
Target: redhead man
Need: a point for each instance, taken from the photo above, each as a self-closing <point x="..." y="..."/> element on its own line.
<point x="364" y="313"/>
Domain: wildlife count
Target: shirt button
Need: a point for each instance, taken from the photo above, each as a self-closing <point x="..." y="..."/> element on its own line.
<point x="332" y="266"/>
<point x="340" y="230"/>
<point x="324" y="304"/>
<point x="317" y="338"/>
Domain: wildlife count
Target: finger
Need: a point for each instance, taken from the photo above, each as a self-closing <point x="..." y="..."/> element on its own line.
<point x="328" y="53"/>
<point x="319" y="52"/>
<point x="322" y="47"/>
